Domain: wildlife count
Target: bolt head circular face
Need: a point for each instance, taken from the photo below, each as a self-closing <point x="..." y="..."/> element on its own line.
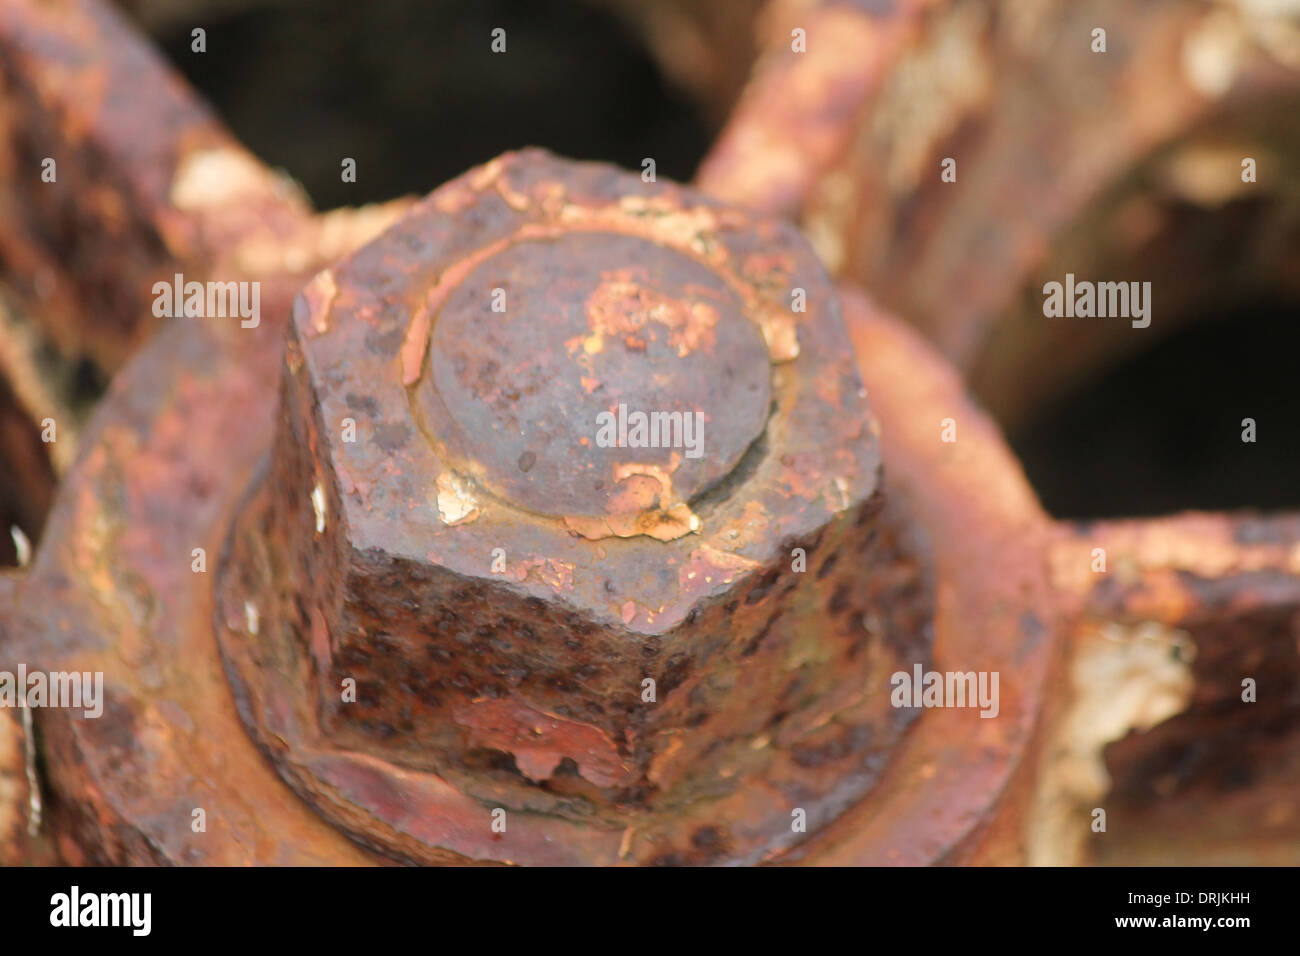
<point x="612" y="364"/>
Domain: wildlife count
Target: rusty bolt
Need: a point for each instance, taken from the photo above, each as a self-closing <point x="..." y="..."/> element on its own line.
<point x="728" y="574"/>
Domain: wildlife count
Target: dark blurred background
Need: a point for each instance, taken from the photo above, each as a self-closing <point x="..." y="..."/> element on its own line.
<point x="1161" y="431"/>
<point x="413" y="92"/>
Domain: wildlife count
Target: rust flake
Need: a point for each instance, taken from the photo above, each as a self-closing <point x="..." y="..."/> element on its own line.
<point x="539" y="740"/>
<point x="556" y="574"/>
<point x="708" y="566"/>
<point x="621" y="306"/>
<point x="319" y="295"/>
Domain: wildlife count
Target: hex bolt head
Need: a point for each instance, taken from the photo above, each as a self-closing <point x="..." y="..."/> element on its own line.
<point x="614" y="632"/>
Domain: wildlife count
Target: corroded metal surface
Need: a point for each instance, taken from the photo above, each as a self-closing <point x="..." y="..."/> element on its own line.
<point x="523" y="688"/>
<point x="15" y="791"/>
<point x="115" y="177"/>
<point x="148" y="184"/>
<point x="799" y="113"/>
<point x="1221" y="595"/>
<point x="958" y="785"/>
<point x="950" y="787"/>
<point x="428" y="594"/>
<point x="1121" y="164"/>
<point x="153" y="484"/>
<point x="1066" y="160"/>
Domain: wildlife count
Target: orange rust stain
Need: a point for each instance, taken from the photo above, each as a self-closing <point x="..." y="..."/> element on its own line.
<point x="828" y="390"/>
<point x="454" y="197"/>
<point x="557" y="574"/>
<point x="540" y="740"/>
<point x="662" y="772"/>
<point x="662" y="478"/>
<point x="799" y="477"/>
<point x="320" y="641"/>
<point x="644" y="504"/>
<point x="666" y="524"/>
<point x="621" y="306"/>
<point x="780" y="333"/>
<point x="707" y="566"/>
<point x="486" y="175"/>
<point x="319" y="295"/>
<point x="749" y="527"/>
<point x="514" y="199"/>
<point x="416" y="342"/>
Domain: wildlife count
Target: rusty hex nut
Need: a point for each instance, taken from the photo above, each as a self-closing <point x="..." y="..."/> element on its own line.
<point x="538" y="616"/>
